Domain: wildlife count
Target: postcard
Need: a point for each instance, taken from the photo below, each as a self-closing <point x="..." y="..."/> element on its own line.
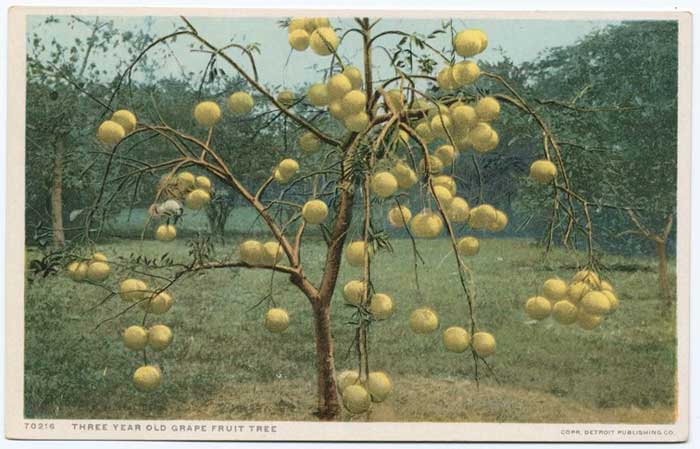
<point x="348" y="226"/>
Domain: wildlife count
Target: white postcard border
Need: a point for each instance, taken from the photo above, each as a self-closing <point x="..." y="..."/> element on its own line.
<point x="16" y="426"/>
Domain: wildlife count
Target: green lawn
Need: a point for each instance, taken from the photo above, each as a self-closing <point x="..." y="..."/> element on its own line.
<point x="224" y="365"/>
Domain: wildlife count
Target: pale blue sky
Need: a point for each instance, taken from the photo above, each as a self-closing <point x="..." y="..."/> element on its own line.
<point x="520" y="40"/>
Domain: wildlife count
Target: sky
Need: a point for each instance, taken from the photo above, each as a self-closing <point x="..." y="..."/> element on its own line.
<point x="520" y="40"/>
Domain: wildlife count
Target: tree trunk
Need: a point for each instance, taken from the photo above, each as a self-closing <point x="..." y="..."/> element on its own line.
<point x="328" y="405"/>
<point x="59" y="238"/>
<point x="664" y="285"/>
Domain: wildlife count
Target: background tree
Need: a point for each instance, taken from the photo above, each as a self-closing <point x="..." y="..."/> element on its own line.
<point x="61" y="161"/>
<point x="615" y="103"/>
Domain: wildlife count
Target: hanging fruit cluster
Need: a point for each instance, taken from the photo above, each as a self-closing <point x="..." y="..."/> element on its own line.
<point x="586" y="300"/>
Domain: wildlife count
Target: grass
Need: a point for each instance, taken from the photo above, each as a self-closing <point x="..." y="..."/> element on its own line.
<point x="224" y="365"/>
<point x="242" y="220"/>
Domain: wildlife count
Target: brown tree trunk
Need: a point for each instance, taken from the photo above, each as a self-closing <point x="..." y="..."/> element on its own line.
<point x="328" y="405"/>
<point x="659" y="241"/>
<point x="59" y="238"/>
<point x="664" y="285"/>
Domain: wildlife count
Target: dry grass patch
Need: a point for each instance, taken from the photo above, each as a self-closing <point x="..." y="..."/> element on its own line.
<point x="450" y="401"/>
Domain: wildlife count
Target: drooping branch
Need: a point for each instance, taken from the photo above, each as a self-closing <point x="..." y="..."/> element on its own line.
<point x="243" y="50"/>
<point x="258" y="87"/>
<point x="130" y="67"/>
<point x="549" y="140"/>
<point x="187" y="270"/>
<point x="464" y="271"/>
<point x="222" y="171"/>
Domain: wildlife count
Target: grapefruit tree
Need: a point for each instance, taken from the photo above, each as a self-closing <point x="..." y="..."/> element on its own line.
<point x="364" y="144"/>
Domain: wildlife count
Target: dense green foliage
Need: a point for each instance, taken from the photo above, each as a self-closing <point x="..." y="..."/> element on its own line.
<point x="612" y="101"/>
<point x="633" y="67"/>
